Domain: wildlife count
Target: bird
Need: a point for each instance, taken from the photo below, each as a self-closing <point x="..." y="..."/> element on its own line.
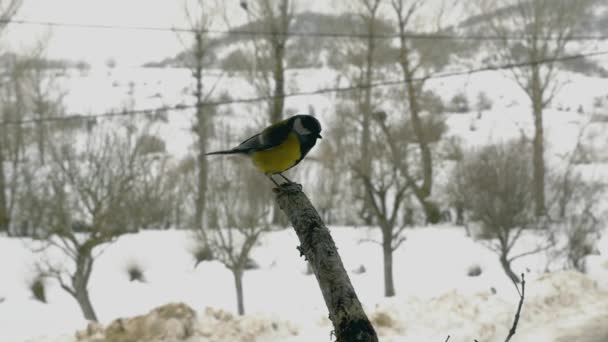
<point x="281" y="146"/>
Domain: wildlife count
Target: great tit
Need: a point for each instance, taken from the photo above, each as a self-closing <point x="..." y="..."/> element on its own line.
<point x="281" y="146"/>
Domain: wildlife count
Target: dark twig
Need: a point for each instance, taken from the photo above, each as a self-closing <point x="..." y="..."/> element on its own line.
<point x="521" y="302"/>
<point x="447" y="339"/>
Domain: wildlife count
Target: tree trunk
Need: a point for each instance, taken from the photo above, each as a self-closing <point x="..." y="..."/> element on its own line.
<point x="423" y="191"/>
<point x="538" y="144"/>
<point x="238" y="283"/>
<point x="389" y="286"/>
<point x="278" y="102"/>
<point x="4" y="215"/>
<point x="317" y="246"/>
<point x="82" y="297"/>
<point x="80" y="282"/>
<point x="506" y="266"/>
<point x="276" y="113"/>
<point x="201" y="126"/>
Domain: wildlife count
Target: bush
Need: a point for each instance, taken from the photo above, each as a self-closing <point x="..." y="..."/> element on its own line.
<point x="433" y="128"/>
<point x="474" y="271"/>
<point x="38" y="289"/>
<point x="150" y="144"/>
<point x="483" y="102"/>
<point x="495" y="186"/>
<point x="251" y="264"/>
<point x="201" y="252"/>
<point x="432" y="103"/>
<point x="135" y="272"/>
<point x="460" y="104"/>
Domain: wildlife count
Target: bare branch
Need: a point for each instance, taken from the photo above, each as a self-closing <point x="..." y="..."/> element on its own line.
<point x="316" y="244"/>
<point x="521" y="302"/>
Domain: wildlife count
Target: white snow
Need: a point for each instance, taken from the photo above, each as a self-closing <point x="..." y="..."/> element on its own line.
<point x="435" y="297"/>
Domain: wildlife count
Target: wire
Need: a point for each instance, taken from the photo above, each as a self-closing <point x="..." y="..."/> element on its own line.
<point x="419" y="36"/>
<point x="305" y="93"/>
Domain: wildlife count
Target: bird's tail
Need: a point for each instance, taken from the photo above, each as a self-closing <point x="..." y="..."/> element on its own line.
<point x="223" y="152"/>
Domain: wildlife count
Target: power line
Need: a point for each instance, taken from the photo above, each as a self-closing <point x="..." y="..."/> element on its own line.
<point x="305" y="93"/>
<point x="418" y="36"/>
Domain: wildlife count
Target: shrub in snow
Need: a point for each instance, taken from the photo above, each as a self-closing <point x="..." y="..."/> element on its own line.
<point x="107" y="184"/>
<point x="474" y="271"/>
<point x="243" y="207"/>
<point x="135" y="272"/>
<point x="495" y="185"/>
<point x="201" y="252"/>
<point x="581" y="233"/>
<point x="459" y="103"/>
<point x="483" y="102"/>
<point x="37" y="287"/>
<point x="251" y="264"/>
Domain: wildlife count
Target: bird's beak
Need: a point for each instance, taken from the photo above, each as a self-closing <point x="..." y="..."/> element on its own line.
<point x="319" y="136"/>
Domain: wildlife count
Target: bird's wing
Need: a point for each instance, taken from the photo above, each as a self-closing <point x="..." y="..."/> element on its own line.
<point x="270" y="137"/>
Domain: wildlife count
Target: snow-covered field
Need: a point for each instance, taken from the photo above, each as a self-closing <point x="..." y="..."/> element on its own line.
<point x="435" y="296"/>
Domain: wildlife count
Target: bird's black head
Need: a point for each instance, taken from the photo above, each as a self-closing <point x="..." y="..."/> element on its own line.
<point x="306" y="126"/>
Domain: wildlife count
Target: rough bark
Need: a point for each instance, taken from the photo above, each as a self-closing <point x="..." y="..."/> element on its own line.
<point x="317" y="246"/>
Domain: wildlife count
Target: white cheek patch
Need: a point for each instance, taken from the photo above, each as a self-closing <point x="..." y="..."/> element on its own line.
<point x="299" y="128"/>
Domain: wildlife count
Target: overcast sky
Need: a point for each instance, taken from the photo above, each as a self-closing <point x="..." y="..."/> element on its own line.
<point x="127" y="47"/>
<point x="98" y="45"/>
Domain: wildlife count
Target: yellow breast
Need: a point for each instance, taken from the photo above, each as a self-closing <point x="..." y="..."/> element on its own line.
<point x="280" y="158"/>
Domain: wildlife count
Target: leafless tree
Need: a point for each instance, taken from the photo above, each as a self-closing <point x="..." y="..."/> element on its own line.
<point x="496" y="187"/>
<point x="548" y="27"/>
<point x="242" y="211"/>
<point x="200" y="16"/>
<point x="88" y="201"/>
<point x="387" y="191"/>
<point x="361" y="62"/>
<point x="418" y="60"/>
<point x="13" y="140"/>
<point x="268" y="73"/>
<point x="8" y="8"/>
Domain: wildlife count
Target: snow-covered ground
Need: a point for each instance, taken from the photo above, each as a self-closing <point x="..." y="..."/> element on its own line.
<point x="435" y="296"/>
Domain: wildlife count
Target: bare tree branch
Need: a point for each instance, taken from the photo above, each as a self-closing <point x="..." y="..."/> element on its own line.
<point x="521" y="302"/>
<point x="317" y="246"/>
